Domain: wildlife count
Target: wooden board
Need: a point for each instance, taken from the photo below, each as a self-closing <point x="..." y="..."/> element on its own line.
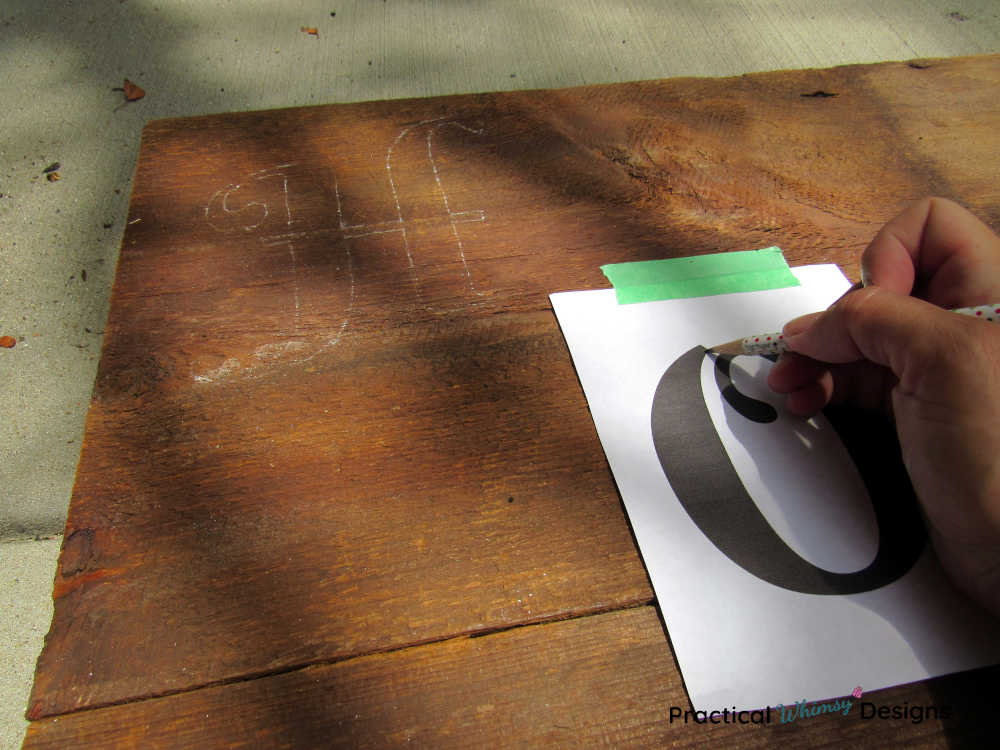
<point x="334" y="414"/>
<point x="606" y="680"/>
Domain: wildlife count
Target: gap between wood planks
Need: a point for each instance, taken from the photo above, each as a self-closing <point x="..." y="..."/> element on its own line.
<point x="264" y="674"/>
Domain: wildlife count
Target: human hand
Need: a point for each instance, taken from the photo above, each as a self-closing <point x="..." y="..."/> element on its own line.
<point x="891" y="345"/>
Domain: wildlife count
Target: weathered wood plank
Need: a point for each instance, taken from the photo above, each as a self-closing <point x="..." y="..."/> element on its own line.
<point x="601" y="681"/>
<point x="334" y="415"/>
<point x="403" y="490"/>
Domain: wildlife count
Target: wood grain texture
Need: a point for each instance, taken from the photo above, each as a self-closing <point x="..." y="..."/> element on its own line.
<point x="334" y="414"/>
<point x="602" y="681"/>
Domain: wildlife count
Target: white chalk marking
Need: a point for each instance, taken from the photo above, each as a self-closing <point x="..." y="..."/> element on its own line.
<point x="453" y="217"/>
<point x="274" y="352"/>
<point x="399" y="224"/>
<point x="269" y="352"/>
<point x="228" y="367"/>
<point x="228" y="190"/>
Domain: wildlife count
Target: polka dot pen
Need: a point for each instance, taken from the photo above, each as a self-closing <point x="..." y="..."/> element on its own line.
<point x="766" y="344"/>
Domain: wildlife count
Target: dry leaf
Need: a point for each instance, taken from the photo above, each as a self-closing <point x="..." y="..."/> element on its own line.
<point x="310" y="30"/>
<point x="132" y="91"/>
<point x="7" y="342"/>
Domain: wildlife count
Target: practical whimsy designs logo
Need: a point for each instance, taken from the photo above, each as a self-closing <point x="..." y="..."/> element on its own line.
<point x="804" y="710"/>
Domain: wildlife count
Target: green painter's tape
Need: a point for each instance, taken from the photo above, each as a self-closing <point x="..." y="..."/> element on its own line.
<point x="700" y="276"/>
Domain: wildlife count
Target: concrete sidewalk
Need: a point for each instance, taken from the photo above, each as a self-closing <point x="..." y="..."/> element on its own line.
<point x="59" y="240"/>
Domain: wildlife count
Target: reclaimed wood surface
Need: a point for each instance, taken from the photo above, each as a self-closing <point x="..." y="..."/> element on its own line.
<point x="335" y="422"/>
<point x="605" y="680"/>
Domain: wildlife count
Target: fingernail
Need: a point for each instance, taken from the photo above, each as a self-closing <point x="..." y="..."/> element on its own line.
<point x="866" y="280"/>
<point x="854" y="288"/>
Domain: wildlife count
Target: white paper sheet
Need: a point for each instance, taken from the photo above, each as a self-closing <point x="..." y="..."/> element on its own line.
<point x="740" y="640"/>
